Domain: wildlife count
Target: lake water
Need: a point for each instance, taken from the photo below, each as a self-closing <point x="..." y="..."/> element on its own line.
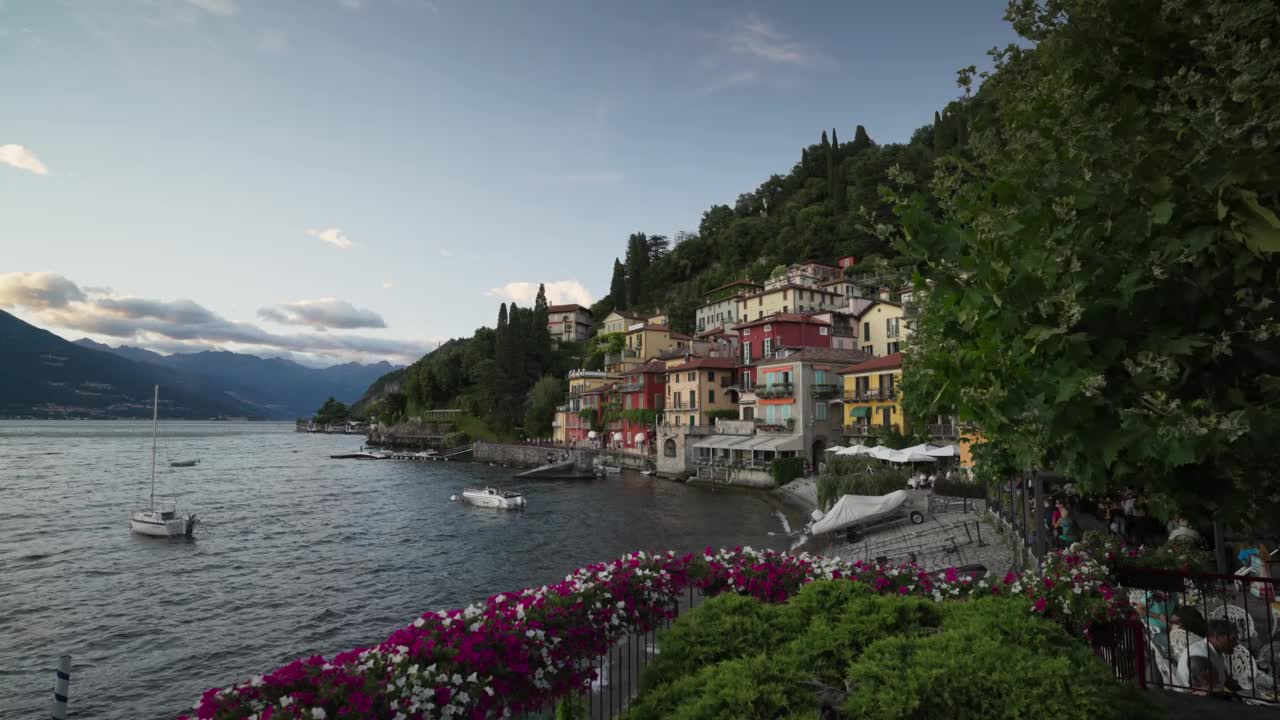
<point x="295" y="554"/>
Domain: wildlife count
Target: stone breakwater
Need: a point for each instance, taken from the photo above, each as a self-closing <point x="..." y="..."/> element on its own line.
<point x="529" y="456"/>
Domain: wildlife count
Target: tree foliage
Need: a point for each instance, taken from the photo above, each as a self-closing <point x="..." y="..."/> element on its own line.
<point x="1102" y="254"/>
<point x="333" y="411"/>
<point x="546" y="394"/>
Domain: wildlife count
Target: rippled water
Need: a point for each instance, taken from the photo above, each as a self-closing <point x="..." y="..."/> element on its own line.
<point x="295" y="553"/>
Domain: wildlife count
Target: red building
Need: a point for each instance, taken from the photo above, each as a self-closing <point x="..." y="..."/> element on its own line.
<point x="759" y="338"/>
<point x="641" y="388"/>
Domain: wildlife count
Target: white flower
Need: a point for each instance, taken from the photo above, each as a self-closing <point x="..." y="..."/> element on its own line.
<point x="419" y="623"/>
<point x="318" y="713"/>
<point x="256" y="681"/>
<point x="286" y="701"/>
<point x="471" y="678"/>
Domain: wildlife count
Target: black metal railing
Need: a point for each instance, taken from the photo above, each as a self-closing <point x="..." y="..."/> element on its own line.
<point x="876" y="395"/>
<point x="774" y="390"/>
<point x="619" y="669"/>
<point x="824" y="390"/>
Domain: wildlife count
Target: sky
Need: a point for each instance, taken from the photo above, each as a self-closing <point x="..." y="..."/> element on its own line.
<point x="336" y="180"/>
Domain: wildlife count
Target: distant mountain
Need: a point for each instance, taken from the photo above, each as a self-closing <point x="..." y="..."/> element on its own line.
<point x="42" y="375"/>
<point x="277" y="388"/>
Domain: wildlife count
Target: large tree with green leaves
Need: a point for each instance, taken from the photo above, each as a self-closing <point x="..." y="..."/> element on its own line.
<point x="1102" y="257"/>
<point x="545" y="395"/>
<point x="618" y="286"/>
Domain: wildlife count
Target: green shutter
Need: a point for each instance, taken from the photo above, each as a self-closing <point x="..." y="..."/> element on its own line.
<point x="860" y="412"/>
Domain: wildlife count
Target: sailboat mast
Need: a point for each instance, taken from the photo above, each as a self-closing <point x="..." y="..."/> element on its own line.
<point x="155" y="418"/>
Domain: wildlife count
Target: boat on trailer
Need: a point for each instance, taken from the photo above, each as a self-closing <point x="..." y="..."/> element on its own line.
<point x="494" y="498"/>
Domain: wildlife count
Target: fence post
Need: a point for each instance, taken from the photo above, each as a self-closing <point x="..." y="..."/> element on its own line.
<point x="59" y="711"/>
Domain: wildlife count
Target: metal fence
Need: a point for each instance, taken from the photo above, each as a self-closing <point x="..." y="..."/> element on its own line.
<point x="1179" y="614"/>
<point x="618" y="670"/>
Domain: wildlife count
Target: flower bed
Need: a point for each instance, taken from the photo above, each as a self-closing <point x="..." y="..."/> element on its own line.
<point x="520" y="651"/>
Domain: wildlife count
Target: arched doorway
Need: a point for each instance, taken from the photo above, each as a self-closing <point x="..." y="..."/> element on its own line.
<point x="819" y="449"/>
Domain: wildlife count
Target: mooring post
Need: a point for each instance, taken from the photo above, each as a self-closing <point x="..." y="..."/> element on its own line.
<point x="63" y="680"/>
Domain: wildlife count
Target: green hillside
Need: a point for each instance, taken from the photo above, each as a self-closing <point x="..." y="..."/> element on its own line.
<point x="826" y="206"/>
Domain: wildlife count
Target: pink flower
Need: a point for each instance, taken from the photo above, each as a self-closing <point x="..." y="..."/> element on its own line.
<point x="1039" y="606"/>
<point x="904" y="590"/>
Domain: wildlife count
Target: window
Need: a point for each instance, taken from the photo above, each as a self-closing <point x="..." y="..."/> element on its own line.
<point x="760" y="301"/>
<point x="866" y="331"/>
<point x="692" y="421"/>
<point x="677" y="425"/>
<point x="711" y="374"/>
<point x="784" y="308"/>
<point x="768" y="328"/>
<point x="771" y="414"/>
<point x="746" y="331"/>
<point x="746" y="379"/>
<point x="824" y="331"/>
<point x="784" y="294"/>
<point x="786" y="413"/>
<point x="711" y="396"/>
<point x="820" y="411"/>
<point x="693" y="399"/>
<point x="768" y="346"/>
<point x="691" y="376"/>
<point x="759" y="314"/>
<point x="746" y="353"/>
<point x="819" y="377"/>
<point x="891" y="327"/>
<point x="888" y="416"/>
<point x="868" y="349"/>
<point x="628" y="406"/>
<point x="894" y="347"/>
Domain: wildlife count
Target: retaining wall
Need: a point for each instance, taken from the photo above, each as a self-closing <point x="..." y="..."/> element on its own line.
<point x="584" y="459"/>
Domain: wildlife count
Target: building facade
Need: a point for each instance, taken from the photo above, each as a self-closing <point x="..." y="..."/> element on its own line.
<point x="645" y="341"/>
<point x="797" y="394"/>
<point x="642" y="389"/>
<point x="759" y="339"/>
<point x="619" y="320"/>
<point x="786" y="299"/>
<point x="882" y="329"/>
<point x="871" y="396"/>
<point x="806" y="274"/>
<point x="584" y="395"/>
<point x="569" y="323"/>
<point x="696" y="386"/>
<point x="721" y="307"/>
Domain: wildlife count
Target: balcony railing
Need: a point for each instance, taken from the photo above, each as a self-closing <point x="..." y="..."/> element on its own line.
<point x="678" y="407"/>
<point x="631" y="387"/>
<point x="824" y="390"/>
<point x="951" y="430"/>
<point x="857" y="430"/>
<point x="872" y="395"/>
<point x="775" y="390"/>
<point x="777" y="426"/>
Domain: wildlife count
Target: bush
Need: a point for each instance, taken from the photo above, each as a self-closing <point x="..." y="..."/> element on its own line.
<point x="454" y="439"/>
<point x="723" y="414"/>
<point x="959" y="488"/>
<point x="992" y="660"/>
<point x="845" y="475"/>
<point x="784" y="470"/>
<point x="754" y="687"/>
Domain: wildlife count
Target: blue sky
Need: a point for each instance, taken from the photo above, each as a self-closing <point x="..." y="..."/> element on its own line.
<point x="353" y="179"/>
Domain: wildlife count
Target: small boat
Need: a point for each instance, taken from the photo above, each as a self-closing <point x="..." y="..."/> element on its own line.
<point x="493" y="498"/>
<point x="154" y="520"/>
<point x="607" y="469"/>
<point x="361" y="454"/>
<point x="185" y="463"/>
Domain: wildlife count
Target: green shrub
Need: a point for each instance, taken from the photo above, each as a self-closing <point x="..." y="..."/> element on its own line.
<point x="454" y="439"/>
<point x="752" y="687"/>
<point x="784" y="470"/>
<point x="855" y="475"/>
<point x="725" y="627"/>
<point x="833" y="641"/>
<point x="722" y="414"/>
<point x="959" y="488"/>
<point x="992" y="659"/>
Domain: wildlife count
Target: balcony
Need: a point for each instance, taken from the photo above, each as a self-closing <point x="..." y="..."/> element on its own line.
<point x="951" y="431"/>
<point x="620" y="357"/>
<point x="784" y="426"/>
<point x="775" y="390"/>
<point x="876" y="395"/>
<point x="860" y="430"/>
<point x="825" y="391"/>
<point x="631" y="387"/>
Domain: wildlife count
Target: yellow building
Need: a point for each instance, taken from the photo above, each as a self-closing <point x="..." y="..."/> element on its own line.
<point x="872" y="398"/>
<point x="786" y="299"/>
<point x="646" y="340"/>
<point x="618" y="321"/>
<point x="882" y="329"/>
<point x="696" y="385"/>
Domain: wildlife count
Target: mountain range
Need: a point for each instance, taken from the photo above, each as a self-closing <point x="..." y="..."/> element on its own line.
<point x="43" y="375"/>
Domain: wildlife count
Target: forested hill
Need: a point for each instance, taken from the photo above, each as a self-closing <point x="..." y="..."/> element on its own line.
<point x="825" y="207"/>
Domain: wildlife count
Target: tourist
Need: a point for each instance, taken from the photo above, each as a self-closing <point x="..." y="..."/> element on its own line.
<point x="1064" y="524"/>
<point x="1117" y="525"/>
<point x="1184" y="532"/>
<point x="1155" y="609"/>
<point x="1204" y="667"/>
<point x="1187" y="627"/>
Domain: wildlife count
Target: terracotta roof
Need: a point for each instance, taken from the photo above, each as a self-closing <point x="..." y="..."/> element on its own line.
<point x="720" y="330"/>
<point x="653" y="366"/>
<point x="566" y="308"/>
<point x="680" y="336"/>
<point x="816" y="354"/>
<point x="784" y="317"/>
<point x="728" y="285"/>
<point x="704" y="362"/>
<point x="628" y="314"/>
<point x="788" y="286"/>
<point x="881" y="363"/>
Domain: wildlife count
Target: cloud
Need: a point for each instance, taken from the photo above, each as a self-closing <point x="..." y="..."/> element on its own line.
<point x="334" y="236"/>
<point x="558" y="293"/>
<point x="756" y="38"/>
<point x="323" y="314"/>
<point x="37" y="290"/>
<point x="22" y="158"/>
<point x="351" y="4"/>
<point x="272" y="41"/>
<point x="217" y="7"/>
<point x="57" y="302"/>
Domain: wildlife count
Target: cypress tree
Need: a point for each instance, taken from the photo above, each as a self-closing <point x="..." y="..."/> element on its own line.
<point x="861" y="140"/>
<point x="618" y="286"/>
<point x="834" y="142"/>
<point x="637" y="269"/>
<point x="824" y="139"/>
<point x="831" y="169"/>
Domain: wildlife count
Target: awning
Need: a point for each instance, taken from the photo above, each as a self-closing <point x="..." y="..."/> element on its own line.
<point x="723" y="441"/>
<point x="782" y="444"/>
<point x="860" y="412"/>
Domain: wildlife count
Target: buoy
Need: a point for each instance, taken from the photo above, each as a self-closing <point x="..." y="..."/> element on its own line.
<point x="453" y="498"/>
<point x="60" y="683"/>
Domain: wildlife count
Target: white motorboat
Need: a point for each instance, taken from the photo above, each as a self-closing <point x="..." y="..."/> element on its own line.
<point x="855" y="514"/>
<point x="360" y="455"/>
<point x="155" y="520"/>
<point x="494" y="498"/>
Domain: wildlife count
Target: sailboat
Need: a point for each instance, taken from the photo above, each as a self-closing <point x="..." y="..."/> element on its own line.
<point x="159" y="520"/>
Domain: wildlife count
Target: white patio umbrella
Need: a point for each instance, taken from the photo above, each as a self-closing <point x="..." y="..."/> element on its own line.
<point x="592" y="435"/>
<point x="640" y="438"/>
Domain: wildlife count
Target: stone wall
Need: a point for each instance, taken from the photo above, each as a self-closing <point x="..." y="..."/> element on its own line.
<point x="518" y="455"/>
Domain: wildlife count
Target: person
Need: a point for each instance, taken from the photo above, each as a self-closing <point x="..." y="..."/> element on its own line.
<point x="1184" y="532"/>
<point x="1187" y="627"/>
<point x="1204" y="667"/>
<point x="1155" y="609"/>
<point x="1116" y="523"/>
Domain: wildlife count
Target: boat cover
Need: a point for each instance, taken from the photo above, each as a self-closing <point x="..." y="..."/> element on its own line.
<point x="854" y="509"/>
